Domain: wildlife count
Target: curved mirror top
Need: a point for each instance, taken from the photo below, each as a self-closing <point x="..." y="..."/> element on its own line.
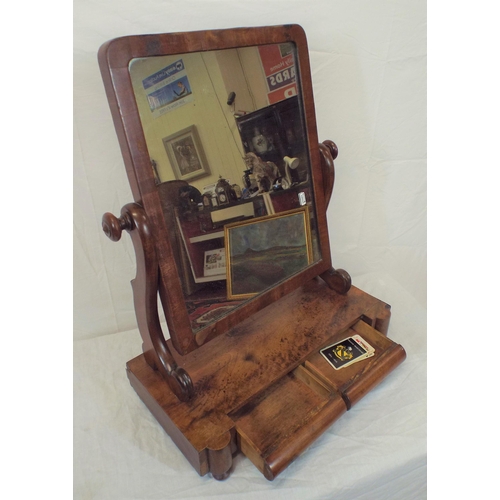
<point x="225" y="133"/>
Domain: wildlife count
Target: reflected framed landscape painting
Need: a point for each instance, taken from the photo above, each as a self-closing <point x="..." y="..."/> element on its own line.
<point x="266" y="250"/>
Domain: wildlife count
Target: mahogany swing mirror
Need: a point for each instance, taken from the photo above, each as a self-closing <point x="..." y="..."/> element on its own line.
<point x="218" y="134"/>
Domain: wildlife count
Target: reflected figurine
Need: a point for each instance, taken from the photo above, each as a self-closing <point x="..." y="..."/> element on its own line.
<point x="265" y="173"/>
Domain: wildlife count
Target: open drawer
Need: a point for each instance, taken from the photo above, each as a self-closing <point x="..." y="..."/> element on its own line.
<point x="274" y="427"/>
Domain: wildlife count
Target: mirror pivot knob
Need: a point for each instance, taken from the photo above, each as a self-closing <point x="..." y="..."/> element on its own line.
<point x="113" y="226"/>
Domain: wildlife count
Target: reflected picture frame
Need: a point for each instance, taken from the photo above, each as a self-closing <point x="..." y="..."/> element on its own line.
<point x="186" y="155"/>
<point x="252" y="267"/>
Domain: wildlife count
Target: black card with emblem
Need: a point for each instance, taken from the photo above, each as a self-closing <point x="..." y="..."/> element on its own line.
<point x="343" y="353"/>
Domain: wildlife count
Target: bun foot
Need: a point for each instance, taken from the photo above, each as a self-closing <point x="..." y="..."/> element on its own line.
<point x="220" y="458"/>
<point x="221" y="477"/>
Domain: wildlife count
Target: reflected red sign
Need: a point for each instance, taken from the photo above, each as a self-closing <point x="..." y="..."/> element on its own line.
<point x="279" y="67"/>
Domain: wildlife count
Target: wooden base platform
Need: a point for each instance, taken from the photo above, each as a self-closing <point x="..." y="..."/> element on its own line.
<point x="263" y="388"/>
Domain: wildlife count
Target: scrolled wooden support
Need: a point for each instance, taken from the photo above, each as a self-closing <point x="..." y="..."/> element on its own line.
<point x="337" y="279"/>
<point x="328" y="151"/>
<point x="133" y="219"/>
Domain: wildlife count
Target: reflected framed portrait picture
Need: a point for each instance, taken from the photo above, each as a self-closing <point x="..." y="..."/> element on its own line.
<point x="263" y="251"/>
<point x="186" y="154"/>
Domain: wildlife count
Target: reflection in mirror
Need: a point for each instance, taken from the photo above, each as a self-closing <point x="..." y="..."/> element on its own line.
<point x="226" y="137"/>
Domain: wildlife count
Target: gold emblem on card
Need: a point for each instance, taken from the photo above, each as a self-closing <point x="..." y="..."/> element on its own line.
<point x="343" y="353"/>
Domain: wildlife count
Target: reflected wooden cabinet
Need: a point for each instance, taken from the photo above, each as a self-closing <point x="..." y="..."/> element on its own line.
<point x="250" y="375"/>
<point x="280" y="129"/>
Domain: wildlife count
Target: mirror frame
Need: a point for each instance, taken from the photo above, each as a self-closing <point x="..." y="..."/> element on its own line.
<point x="114" y="58"/>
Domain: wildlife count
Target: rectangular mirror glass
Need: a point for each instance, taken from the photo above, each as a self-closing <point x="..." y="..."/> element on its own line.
<point x="226" y="138"/>
<point x="217" y="129"/>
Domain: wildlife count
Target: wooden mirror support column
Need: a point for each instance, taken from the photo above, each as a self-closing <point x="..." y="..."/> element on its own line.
<point x="337" y="279"/>
<point x="133" y="219"/>
<point x="246" y="365"/>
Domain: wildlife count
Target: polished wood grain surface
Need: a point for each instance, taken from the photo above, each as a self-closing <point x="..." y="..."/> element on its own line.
<point x="246" y="379"/>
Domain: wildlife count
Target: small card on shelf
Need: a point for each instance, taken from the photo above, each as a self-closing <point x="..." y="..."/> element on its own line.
<point x="348" y="351"/>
